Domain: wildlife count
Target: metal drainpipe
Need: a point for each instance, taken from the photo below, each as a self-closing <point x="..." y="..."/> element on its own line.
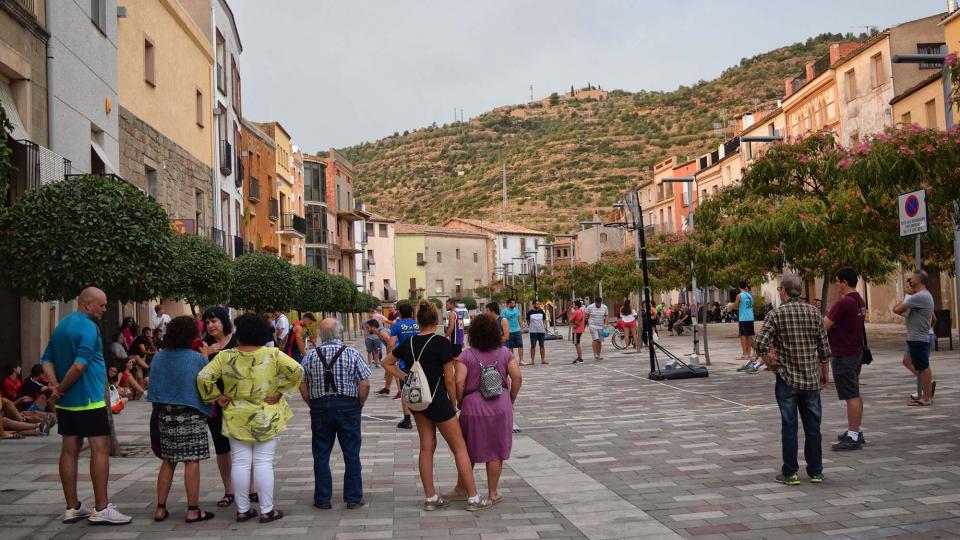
<point x="215" y="196"/>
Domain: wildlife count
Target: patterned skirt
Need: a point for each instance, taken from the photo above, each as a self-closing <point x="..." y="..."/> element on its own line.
<point x="183" y="434"/>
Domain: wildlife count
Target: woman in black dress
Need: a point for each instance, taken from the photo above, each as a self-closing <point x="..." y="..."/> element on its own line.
<point x="435" y="353"/>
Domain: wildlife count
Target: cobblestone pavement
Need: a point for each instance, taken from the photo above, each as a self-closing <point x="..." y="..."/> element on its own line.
<point x="603" y="452"/>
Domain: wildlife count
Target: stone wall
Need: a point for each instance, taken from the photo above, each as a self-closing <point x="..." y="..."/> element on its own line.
<point x="179" y="174"/>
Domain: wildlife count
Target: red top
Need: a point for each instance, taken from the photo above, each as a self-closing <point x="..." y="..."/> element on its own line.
<point x="846" y="334"/>
<point x="11" y="388"/>
<point x="578" y="321"/>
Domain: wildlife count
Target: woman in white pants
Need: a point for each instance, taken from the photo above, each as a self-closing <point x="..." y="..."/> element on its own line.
<point x="255" y="412"/>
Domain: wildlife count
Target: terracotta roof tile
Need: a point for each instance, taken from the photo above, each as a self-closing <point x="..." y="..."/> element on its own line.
<point x="412" y="228"/>
<point x="493" y="227"/>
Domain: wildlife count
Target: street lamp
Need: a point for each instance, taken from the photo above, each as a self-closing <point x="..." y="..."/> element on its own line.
<point x="596" y="225"/>
<point x="948" y="115"/>
<point x="693" y="269"/>
<point x="573" y="295"/>
<point x="533" y="255"/>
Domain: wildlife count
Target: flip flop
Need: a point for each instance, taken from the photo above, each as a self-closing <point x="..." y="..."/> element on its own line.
<point x="495" y="500"/>
<point x="917" y="403"/>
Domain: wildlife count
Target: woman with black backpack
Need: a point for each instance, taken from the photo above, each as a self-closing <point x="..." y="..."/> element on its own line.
<point x="486" y="400"/>
<point x="430" y="357"/>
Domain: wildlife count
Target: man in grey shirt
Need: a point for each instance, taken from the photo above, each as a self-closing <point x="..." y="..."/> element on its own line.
<point x="917" y="307"/>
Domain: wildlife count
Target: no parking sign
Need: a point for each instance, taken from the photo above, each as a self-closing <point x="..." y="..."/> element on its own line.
<point x="913" y="213"/>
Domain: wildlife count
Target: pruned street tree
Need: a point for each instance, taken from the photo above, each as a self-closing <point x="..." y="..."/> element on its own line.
<point x="262" y="282"/>
<point x="201" y="272"/>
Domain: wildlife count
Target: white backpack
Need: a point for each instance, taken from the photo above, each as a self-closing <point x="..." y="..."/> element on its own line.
<point x="416" y="389"/>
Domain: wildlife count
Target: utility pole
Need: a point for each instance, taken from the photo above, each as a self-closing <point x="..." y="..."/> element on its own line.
<point x="503" y="209"/>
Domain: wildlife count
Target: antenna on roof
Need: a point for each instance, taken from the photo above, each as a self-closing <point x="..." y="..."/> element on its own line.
<point x="531" y="92"/>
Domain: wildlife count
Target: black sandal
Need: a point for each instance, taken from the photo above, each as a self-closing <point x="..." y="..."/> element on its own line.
<point x="201" y="515"/>
<point x="166" y="514"/>
<point x="226" y="501"/>
<point x="273" y="515"/>
<point x="246" y="516"/>
<point x="254" y="498"/>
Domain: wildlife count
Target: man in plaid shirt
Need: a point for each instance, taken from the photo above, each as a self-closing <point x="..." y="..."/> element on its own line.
<point x="796" y="332"/>
<point x="336" y="385"/>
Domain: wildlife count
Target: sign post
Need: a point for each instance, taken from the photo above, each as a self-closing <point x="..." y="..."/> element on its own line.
<point x="913" y="218"/>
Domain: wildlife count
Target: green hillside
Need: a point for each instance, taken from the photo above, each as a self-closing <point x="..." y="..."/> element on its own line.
<point x="568" y="154"/>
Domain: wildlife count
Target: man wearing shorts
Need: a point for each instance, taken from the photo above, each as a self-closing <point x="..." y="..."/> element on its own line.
<point x="596" y="315"/>
<point x="537" y="323"/>
<point x="578" y="324"/>
<point x="844" y="326"/>
<point x="515" y="340"/>
<point x="73" y="363"/>
<point x="917" y="307"/>
<point x="744" y="305"/>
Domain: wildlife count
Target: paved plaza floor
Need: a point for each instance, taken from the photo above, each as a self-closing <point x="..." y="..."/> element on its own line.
<point x="602" y="452"/>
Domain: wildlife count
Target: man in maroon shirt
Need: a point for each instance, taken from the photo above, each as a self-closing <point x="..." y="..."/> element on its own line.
<point x="844" y="325"/>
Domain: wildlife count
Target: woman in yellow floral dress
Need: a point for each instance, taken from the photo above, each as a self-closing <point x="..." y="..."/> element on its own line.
<point x="255" y="412"/>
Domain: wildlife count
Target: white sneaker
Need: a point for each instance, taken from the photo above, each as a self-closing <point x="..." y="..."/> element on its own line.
<point x="73" y="515"/>
<point x="108" y="516"/>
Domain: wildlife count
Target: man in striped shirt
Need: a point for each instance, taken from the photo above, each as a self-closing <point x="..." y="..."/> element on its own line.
<point x="796" y="332"/>
<point x="336" y="385"/>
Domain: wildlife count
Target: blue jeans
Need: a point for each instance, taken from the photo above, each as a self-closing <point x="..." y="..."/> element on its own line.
<point x="807" y="402"/>
<point x="336" y="418"/>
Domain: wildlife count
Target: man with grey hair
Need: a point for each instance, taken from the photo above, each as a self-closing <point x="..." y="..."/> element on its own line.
<point x="336" y="385"/>
<point x="795" y="330"/>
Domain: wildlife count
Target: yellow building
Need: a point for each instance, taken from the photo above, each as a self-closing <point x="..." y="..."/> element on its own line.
<point x="922" y="104"/>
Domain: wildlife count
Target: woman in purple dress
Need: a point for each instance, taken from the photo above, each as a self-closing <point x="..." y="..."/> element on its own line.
<point x="487" y="420"/>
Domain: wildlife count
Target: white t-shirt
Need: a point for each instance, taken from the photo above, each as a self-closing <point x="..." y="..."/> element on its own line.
<point x="596" y="315"/>
<point x="159" y="323"/>
<point x="282" y="326"/>
<point x="629" y="318"/>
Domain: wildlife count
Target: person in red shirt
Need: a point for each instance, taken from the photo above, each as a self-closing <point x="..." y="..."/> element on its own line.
<point x="844" y="325"/>
<point x="578" y="323"/>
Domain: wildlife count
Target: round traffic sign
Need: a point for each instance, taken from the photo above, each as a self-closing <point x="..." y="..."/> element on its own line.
<point x="911" y="206"/>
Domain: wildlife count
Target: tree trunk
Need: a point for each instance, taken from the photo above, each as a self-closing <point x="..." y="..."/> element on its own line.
<point x="114" y="444"/>
<point x="824" y="289"/>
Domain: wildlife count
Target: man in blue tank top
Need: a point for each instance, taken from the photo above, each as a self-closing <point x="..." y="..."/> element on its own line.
<point x="744" y="306"/>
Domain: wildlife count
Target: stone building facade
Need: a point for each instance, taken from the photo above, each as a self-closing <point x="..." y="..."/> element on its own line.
<point x="184" y="191"/>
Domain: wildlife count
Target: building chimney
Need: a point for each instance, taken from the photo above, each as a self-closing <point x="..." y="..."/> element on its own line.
<point x="834" y="52"/>
<point x="951" y="6"/>
<point x="810" y="71"/>
<point x="787" y="87"/>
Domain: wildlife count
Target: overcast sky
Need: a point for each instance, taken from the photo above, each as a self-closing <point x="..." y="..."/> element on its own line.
<point x="337" y="73"/>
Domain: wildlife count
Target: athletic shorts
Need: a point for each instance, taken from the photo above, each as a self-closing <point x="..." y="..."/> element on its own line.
<point x="631" y="324"/>
<point x="457" y="349"/>
<point x="515" y="341"/>
<point x="596" y="332"/>
<point x="373" y="345"/>
<point x="919" y="354"/>
<point x="576" y="337"/>
<point x="537" y="337"/>
<point x="88" y="423"/>
<point x="846" y="376"/>
<point x="746" y="328"/>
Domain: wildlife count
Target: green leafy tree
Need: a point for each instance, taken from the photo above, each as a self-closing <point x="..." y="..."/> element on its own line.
<point x="86" y="231"/>
<point x="469" y="302"/>
<point x="262" y="282"/>
<point x="201" y="272"/>
<point x="340" y="295"/>
<point x="310" y="289"/>
<point x="554" y="99"/>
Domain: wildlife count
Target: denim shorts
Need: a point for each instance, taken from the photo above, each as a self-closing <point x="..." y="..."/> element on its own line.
<point x="919" y="354"/>
<point x="537" y="337"/>
<point x="515" y="341"/>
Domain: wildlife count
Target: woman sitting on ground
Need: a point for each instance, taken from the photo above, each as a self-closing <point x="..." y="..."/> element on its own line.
<point x="130" y="381"/>
<point x="487" y="421"/>
<point x="435" y="354"/>
<point x="181" y="416"/>
<point x="255" y="413"/>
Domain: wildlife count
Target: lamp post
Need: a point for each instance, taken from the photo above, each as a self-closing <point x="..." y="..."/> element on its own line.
<point x="596" y="223"/>
<point x="691" y="180"/>
<point x="948" y="115"/>
<point x="533" y="255"/>
<point x="571" y="236"/>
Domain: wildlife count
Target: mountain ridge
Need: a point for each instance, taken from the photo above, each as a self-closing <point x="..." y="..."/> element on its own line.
<point x="566" y="154"/>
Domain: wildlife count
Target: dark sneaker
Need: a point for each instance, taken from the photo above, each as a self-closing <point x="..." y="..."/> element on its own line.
<point x="322" y="505"/>
<point x="578" y="361"/>
<point x="842" y="435"/>
<point x="383" y="392"/>
<point x="356" y="504"/>
<point x="792" y="480"/>
<point x="752" y="369"/>
<point x="405" y="424"/>
<point x="847" y="444"/>
<point x="816" y="479"/>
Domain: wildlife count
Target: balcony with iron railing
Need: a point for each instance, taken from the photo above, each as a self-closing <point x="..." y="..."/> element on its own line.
<point x="35" y="166"/>
<point x="274" y="209"/>
<point x="347" y="244"/>
<point x="238" y="178"/>
<point x="226" y="157"/>
<point x="253" y="192"/>
<point x="293" y="224"/>
<point x="459" y="292"/>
